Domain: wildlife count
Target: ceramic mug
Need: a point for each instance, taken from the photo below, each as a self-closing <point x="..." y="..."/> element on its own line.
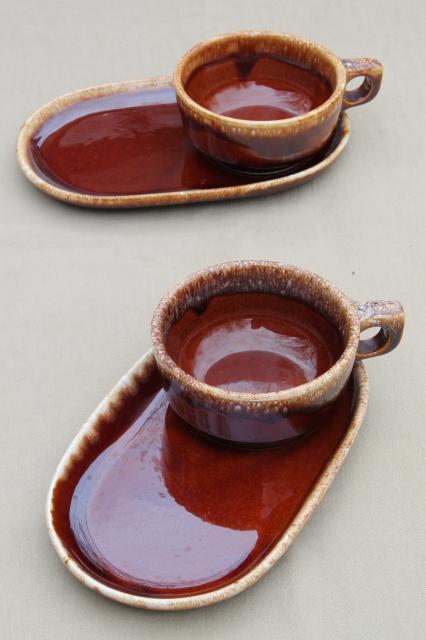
<point x="266" y="418"/>
<point x="266" y="144"/>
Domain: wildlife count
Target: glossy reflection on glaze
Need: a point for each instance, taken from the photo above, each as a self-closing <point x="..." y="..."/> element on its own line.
<point x="122" y="145"/>
<point x="163" y="511"/>
<point x="254" y="342"/>
<point x="257" y="87"/>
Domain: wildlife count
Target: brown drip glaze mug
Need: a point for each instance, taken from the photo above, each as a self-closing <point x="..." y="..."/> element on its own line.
<point x="242" y="59"/>
<point x="260" y="418"/>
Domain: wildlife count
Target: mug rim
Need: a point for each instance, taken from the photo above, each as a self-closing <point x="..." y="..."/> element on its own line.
<point x="313" y="389"/>
<point x="259" y="125"/>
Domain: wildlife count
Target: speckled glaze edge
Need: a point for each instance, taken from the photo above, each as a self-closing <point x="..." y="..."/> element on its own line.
<point x="33" y="123"/>
<point x="128" y="385"/>
<point x="273" y="277"/>
<point x="266" y="127"/>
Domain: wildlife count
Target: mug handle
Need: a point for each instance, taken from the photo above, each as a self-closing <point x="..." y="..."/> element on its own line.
<point x="390" y="318"/>
<point x="372" y="71"/>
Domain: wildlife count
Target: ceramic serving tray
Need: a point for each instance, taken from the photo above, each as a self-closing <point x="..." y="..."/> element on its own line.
<point x="145" y="511"/>
<point x="123" y="145"/>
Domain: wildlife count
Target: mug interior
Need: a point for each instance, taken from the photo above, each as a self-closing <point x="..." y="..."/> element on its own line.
<point x="208" y="300"/>
<point x="259" y="76"/>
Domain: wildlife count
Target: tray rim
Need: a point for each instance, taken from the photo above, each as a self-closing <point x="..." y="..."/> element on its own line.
<point x="34" y="122"/>
<point x="129" y="384"/>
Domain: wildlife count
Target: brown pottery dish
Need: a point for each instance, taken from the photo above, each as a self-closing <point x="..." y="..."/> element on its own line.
<point x="124" y="145"/>
<point x="258" y="99"/>
<point x="145" y="511"/>
<point x="256" y="352"/>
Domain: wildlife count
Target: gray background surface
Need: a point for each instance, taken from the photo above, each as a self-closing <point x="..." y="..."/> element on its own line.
<point x="78" y="288"/>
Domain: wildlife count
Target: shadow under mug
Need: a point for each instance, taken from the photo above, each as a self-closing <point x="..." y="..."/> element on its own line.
<point x="260" y="144"/>
<point x="272" y="417"/>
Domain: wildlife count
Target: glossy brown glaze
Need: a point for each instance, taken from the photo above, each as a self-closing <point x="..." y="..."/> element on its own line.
<point x="150" y="507"/>
<point x="260" y="416"/>
<point x="246" y="140"/>
<point x="124" y="144"/>
<point x="254" y="342"/>
<point x="257" y="87"/>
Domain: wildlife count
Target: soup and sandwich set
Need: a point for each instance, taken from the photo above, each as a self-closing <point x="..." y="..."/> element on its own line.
<point x="202" y="465"/>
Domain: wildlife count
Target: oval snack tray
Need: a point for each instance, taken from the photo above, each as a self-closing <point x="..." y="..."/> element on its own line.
<point x="145" y="511"/>
<point x="123" y="145"/>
